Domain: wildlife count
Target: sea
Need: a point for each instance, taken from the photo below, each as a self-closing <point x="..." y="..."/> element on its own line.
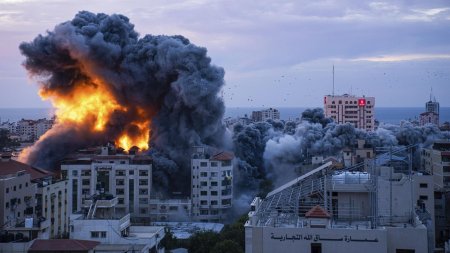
<point x="389" y="115"/>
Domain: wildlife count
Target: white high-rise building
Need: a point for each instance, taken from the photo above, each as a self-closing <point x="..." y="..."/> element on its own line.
<point x="359" y="111"/>
<point x="127" y="177"/>
<point x="264" y="115"/>
<point x="212" y="184"/>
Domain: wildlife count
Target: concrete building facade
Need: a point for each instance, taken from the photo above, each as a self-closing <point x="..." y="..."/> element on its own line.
<point x="34" y="202"/>
<point x="99" y="221"/>
<point x="263" y="115"/>
<point x="212" y="184"/>
<point x="344" y="211"/>
<point x="126" y="176"/>
<point x="358" y="111"/>
<point x="435" y="160"/>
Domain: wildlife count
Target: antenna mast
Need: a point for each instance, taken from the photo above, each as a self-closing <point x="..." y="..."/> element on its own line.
<point x="333" y="80"/>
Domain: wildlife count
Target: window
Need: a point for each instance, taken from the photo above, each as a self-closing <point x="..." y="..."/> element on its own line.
<point x="95" y="234"/>
<point x="226" y="201"/>
<point x="14" y="189"/>
<point x="423" y="185"/>
<point x="203" y="183"/>
<point x="316" y="248"/>
<point x="423" y="197"/>
<point x="213" y="193"/>
<point x="20" y="186"/>
<point x="131" y="172"/>
<point x="7" y="204"/>
<point x="404" y="251"/>
<point x="203" y="193"/>
<point x="85" y="172"/>
<point x="173" y="208"/>
<point x="7" y="190"/>
<point x="120" y="173"/>
<point x="120" y="191"/>
<point x="120" y="201"/>
<point x="143" y="173"/>
<point x="203" y="174"/>
<point x="214" y="212"/>
<point x="214" y="183"/>
<point x="143" y="191"/>
<point x="203" y="164"/>
<point x="143" y="182"/>
<point x="143" y="200"/>
<point x="214" y="174"/>
<point x="85" y="182"/>
<point x="103" y="234"/>
<point x="214" y="202"/>
<point x="204" y="212"/>
<point x="120" y="182"/>
<point x="74" y="173"/>
<point x="213" y="164"/>
<point x="203" y="202"/>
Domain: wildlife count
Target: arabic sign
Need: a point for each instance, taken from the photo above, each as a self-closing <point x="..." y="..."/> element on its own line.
<point x="315" y="238"/>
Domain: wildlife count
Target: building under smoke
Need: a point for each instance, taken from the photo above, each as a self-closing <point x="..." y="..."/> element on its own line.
<point x="346" y="211"/>
<point x="107" y="83"/>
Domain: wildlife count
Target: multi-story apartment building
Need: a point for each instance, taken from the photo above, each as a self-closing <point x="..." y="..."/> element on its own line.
<point x="359" y="111"/>
<point x="344" y="211"/>
<point x="126" y="176"/>
<point x="31" y="130"/>
<point x="264" y="115"/>
<point x="436" y="161"/>
<point x="26" y="129"/>
<point x="42" y="126"/>
<point x="212" y="184"/>
<point x="34" y="204"/>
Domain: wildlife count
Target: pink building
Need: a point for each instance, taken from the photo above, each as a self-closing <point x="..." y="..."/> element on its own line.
<point x="359" y="111"/>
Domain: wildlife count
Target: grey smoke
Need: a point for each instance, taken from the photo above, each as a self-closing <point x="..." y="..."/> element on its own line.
<point x="286" y="150"/>
<point x="171" y="78"/>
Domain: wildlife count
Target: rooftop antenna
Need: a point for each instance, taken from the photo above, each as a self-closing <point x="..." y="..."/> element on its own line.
<point x="431" y="92"/>
<point x="333" y="80"/>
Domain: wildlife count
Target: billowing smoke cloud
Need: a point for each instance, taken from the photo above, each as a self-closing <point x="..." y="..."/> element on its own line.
<point x="279" y="153"/>
<point x="163" y="79"/>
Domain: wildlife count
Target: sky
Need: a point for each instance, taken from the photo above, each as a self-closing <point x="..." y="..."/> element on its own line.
<point x="275" y="53"/>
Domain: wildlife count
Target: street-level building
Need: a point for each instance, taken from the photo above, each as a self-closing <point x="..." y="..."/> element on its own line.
<point x="344" y="211"/>
<point x="99" y="221"/>
<point x="358" y="111"/>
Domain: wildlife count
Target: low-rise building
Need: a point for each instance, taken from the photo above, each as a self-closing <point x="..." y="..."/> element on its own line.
<point x="99" y="221"/>
<point x="344" y="211"/>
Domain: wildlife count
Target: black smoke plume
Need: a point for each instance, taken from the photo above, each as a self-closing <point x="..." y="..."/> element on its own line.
<point x="168" y="77"/>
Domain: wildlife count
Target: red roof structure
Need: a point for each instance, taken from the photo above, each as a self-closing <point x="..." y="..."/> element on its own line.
<point x="62" y="245"/>
<point x="12" y="167"/>
<point x="223" y="156"/>
<point x="317" y="212"/>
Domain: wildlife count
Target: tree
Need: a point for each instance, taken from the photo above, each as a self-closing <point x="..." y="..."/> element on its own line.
<point x="227" y="246"/>
<point x="203" y="242"/>
<point x="6" y="141"/>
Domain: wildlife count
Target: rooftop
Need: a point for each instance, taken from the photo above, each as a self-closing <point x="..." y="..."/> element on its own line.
<point x="9" y="166"/>
<point x="317" y="212"/>
<point x="62" y="245"/>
